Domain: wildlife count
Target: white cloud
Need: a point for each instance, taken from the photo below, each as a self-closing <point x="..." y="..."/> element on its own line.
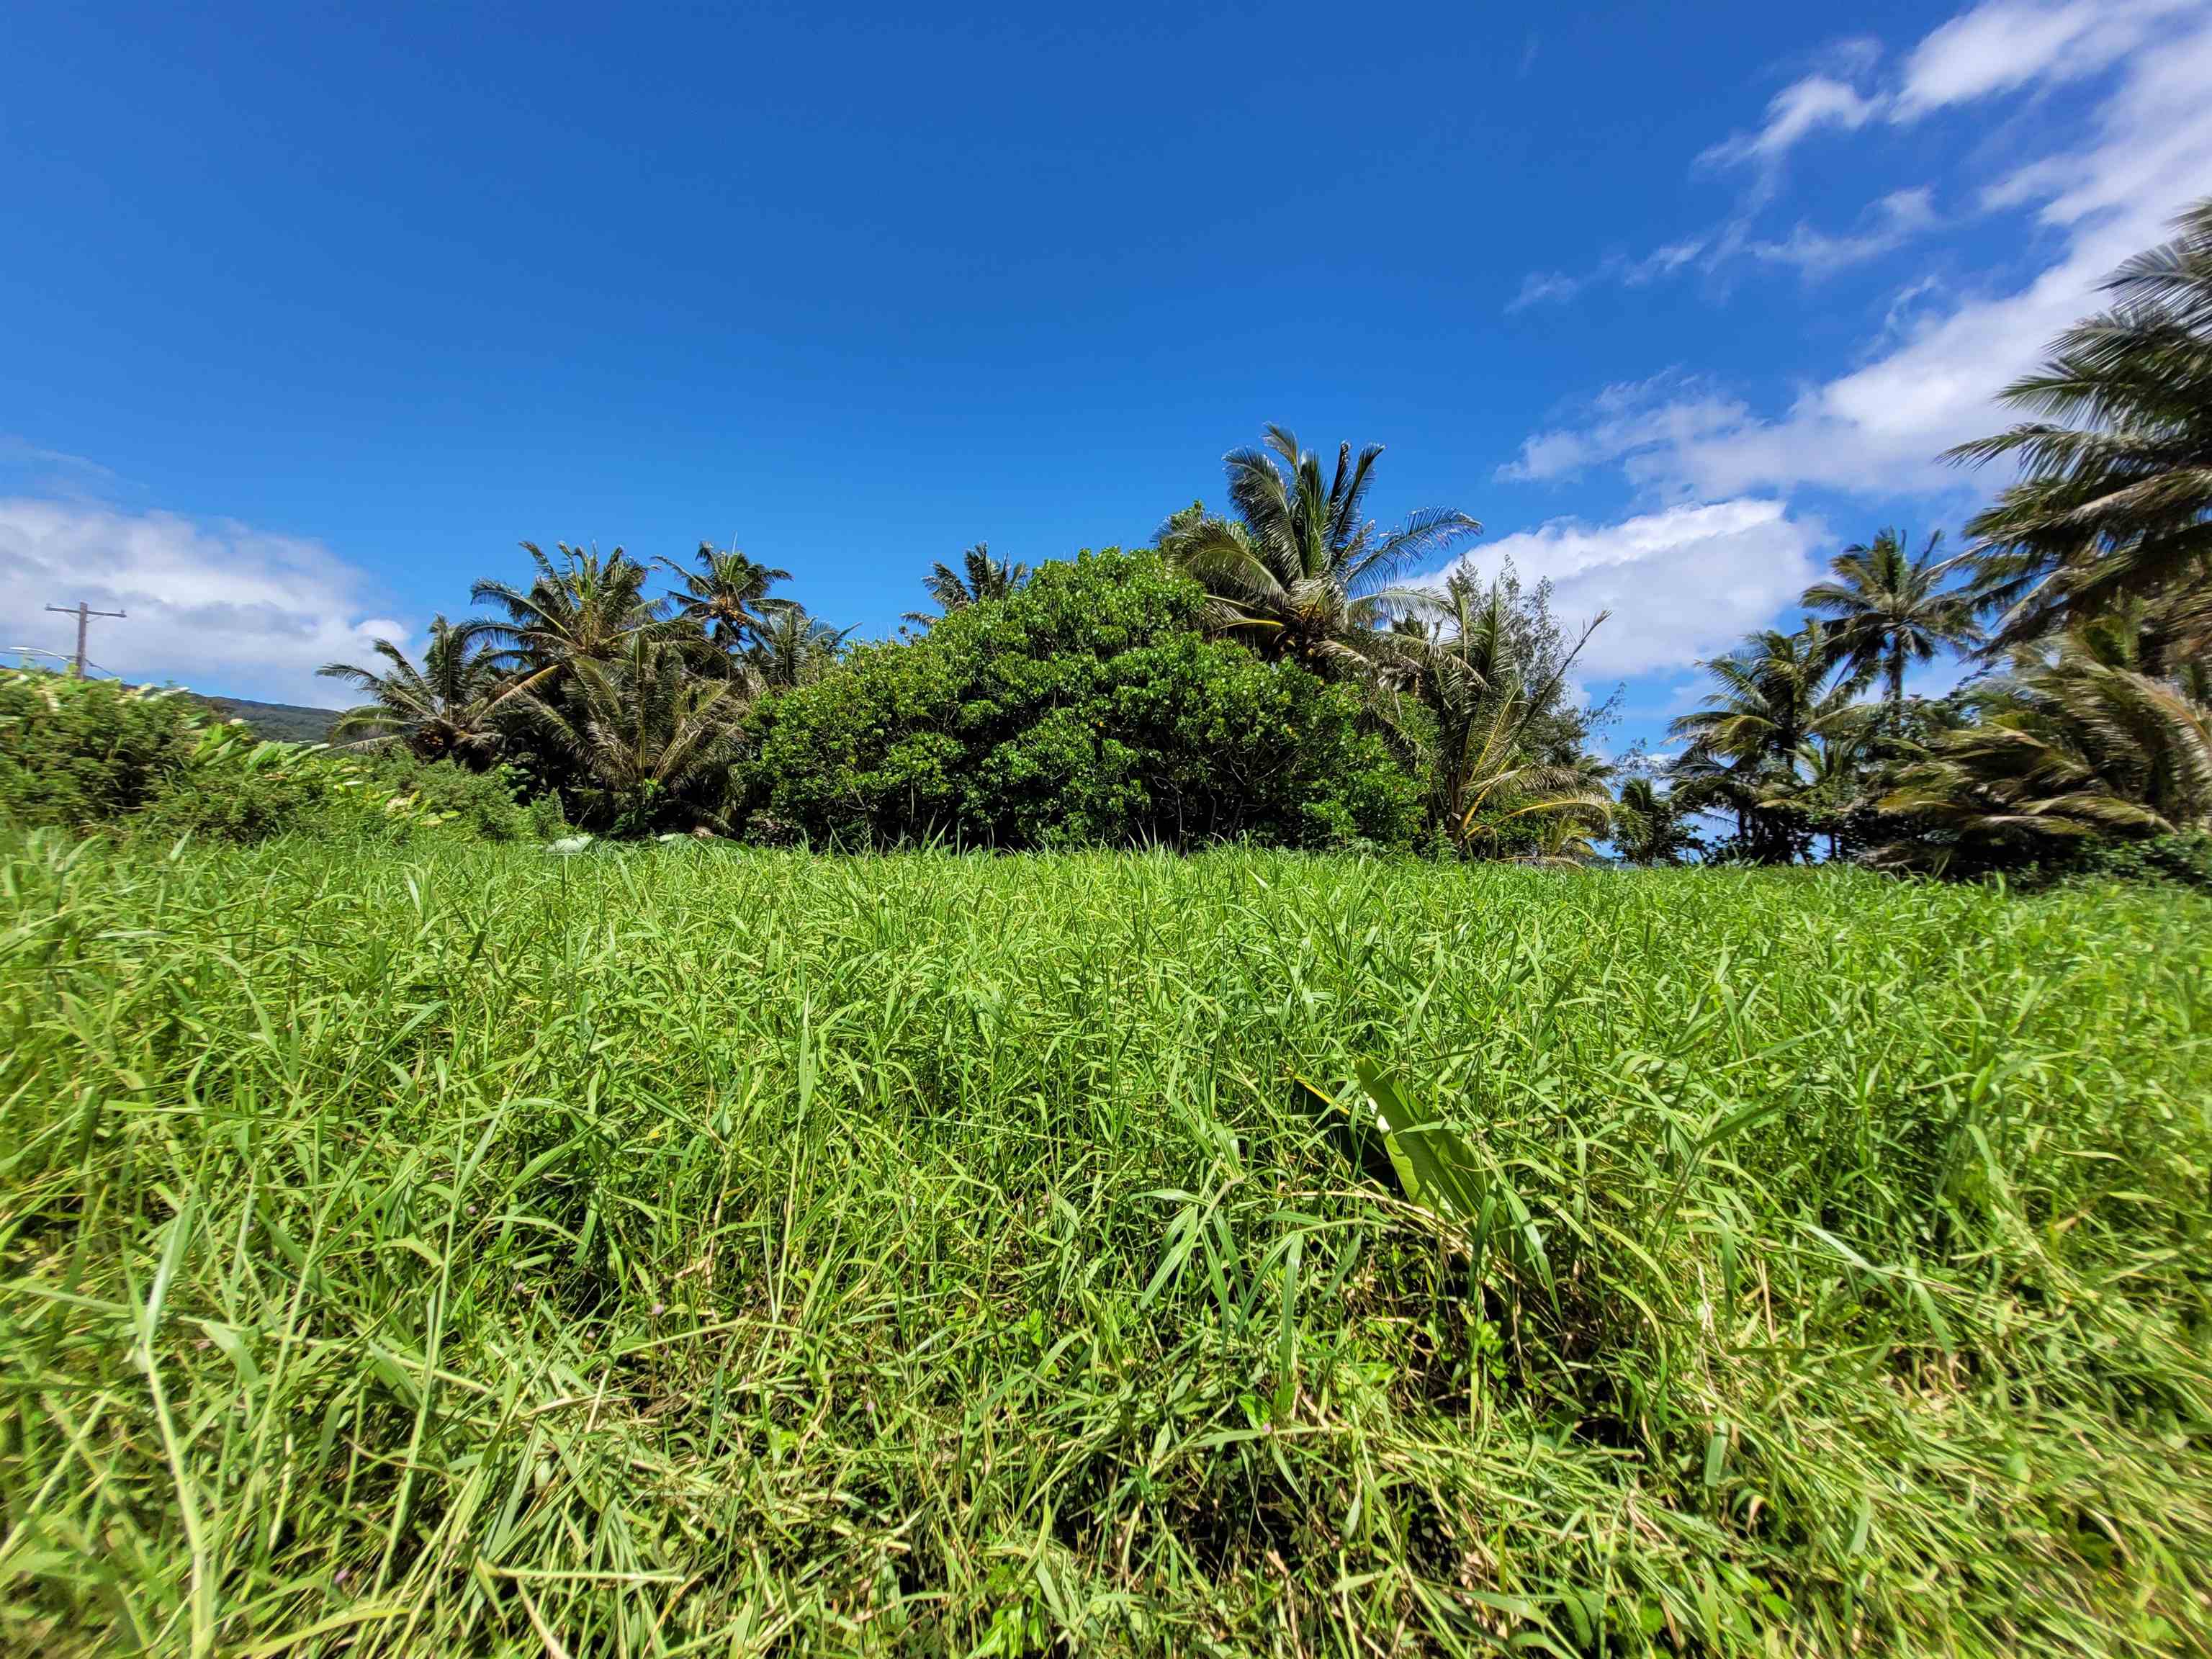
<point x="1997" y="46"/>
<point x="1933" y="382"/>
<point x="1682" y="584"/>
<point x="218" y="606"/>
<point x="2007" y="44"/>
<point x="1889" y="224"/>
<point x="1799" y="109"/>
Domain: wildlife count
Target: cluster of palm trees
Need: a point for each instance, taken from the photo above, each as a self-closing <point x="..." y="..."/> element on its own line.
<point x="1785" y="742"/>
<point x="629" y="702"/>
<point x="2082" y="605"/>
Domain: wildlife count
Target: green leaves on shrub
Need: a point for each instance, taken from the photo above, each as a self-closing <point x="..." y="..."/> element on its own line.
<point x="1085" y="709"/>
<point x="85" y="755"/>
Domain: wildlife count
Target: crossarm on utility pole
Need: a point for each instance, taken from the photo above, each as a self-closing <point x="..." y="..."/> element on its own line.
<point x="84" y="614"/>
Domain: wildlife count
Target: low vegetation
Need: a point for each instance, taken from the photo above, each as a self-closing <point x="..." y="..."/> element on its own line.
<point x="673" y="1250"/>
<point x="145" y="764"/>
<point x="415" y="1244"/>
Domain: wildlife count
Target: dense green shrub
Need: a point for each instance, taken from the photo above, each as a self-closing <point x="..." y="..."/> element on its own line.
<point x="84" y="755"/>
<point x="78" y="753"/>
<point x="2184" y="858"/>
<point x="1087" y="708"/>
<point x="488" y="805"/>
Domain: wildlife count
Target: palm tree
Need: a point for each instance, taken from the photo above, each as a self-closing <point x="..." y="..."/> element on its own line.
<point x="439" y="710"/>
<point x="1776" y="696"/>
<point x="1649" y="827"/>
<point x="1831" y="793"/>
<point x="650" y="740"/>
<point x="582" y="609"/>
<point x="793" y="649"/>
<point x="2078" y="742"/>
<point x="727" y="595"/>
<point x="2114" y="502"/>
<point x="1487" y="768"/>
<point x="979" y="577"/>
<point x="1890" y="609"/>
<point x="1299" y="572"/>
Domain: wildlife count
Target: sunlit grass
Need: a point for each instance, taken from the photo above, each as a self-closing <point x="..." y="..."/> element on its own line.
<point x="676" y="1250"/>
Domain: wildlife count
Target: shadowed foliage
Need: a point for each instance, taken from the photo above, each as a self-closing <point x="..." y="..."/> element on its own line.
<point x="2077" y="743"/>
<point x="651" y="742"/>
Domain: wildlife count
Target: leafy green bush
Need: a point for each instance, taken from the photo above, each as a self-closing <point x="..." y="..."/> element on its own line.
<point x="1085" y="709"/>
<point x="488" y="805"/>
<point x="82" y="754"/>
<point x="79" y="753"/>
<point x="2185" y="859"/>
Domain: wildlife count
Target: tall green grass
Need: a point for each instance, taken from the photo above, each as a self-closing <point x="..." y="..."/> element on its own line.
<point x="674" y="1250"/>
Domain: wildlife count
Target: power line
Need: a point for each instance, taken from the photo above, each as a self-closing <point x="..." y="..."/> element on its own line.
<point x="91" y="667"/>
<point x="84" y="614"/>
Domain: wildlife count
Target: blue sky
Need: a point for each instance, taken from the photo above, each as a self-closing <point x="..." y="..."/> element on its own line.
<point x="313" y="315"/>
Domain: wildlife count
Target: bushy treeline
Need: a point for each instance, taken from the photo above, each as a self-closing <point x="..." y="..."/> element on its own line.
<point x="1086" y="708"/>
<point x="84" y="755"/>
<point x="1284" y="674"/>
<point x="2080" y="735"/>
<point x="1116" y="698"/>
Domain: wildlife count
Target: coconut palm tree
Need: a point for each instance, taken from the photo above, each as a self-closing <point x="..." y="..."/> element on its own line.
<point x="439" y="710"/>
<point x="793" y="648"/>
<point x="1649" y="827"/>
<point x="582" y="608"/>
<point x="727" y="594"/>
<point x="650" y="740"/>
<point x="1299" y="572"/>
<point x="1487" y="768"/>
<point x="1890" y="609"/>
<point x="2078" y="742"/>
<point x="981" y="577"/>
<point x="2114" y="502"/>
<point x="1776" y="695"/>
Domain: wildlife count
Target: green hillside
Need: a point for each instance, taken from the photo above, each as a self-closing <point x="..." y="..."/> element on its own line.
<point x="282" y="722"/>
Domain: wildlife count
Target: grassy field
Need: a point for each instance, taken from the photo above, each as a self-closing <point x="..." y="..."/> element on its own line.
<point x="678" y="1250"/>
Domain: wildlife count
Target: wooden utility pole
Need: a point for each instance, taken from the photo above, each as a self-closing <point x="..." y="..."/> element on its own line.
<point x="84" y="614"/>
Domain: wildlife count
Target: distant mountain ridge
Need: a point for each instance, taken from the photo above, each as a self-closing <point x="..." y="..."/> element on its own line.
<point x="279" y="722"/>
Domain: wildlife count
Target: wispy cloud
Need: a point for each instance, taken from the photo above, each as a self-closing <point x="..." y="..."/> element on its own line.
<point x="1931" y="382"/>
<point x="1887" y="225"/>
<point x="1797" y="111"/>
<point x="218" y="606"/>
<point x="1999" y="46"/>
<point x="1553" y="287"/>
<point x="34" y="470"/>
